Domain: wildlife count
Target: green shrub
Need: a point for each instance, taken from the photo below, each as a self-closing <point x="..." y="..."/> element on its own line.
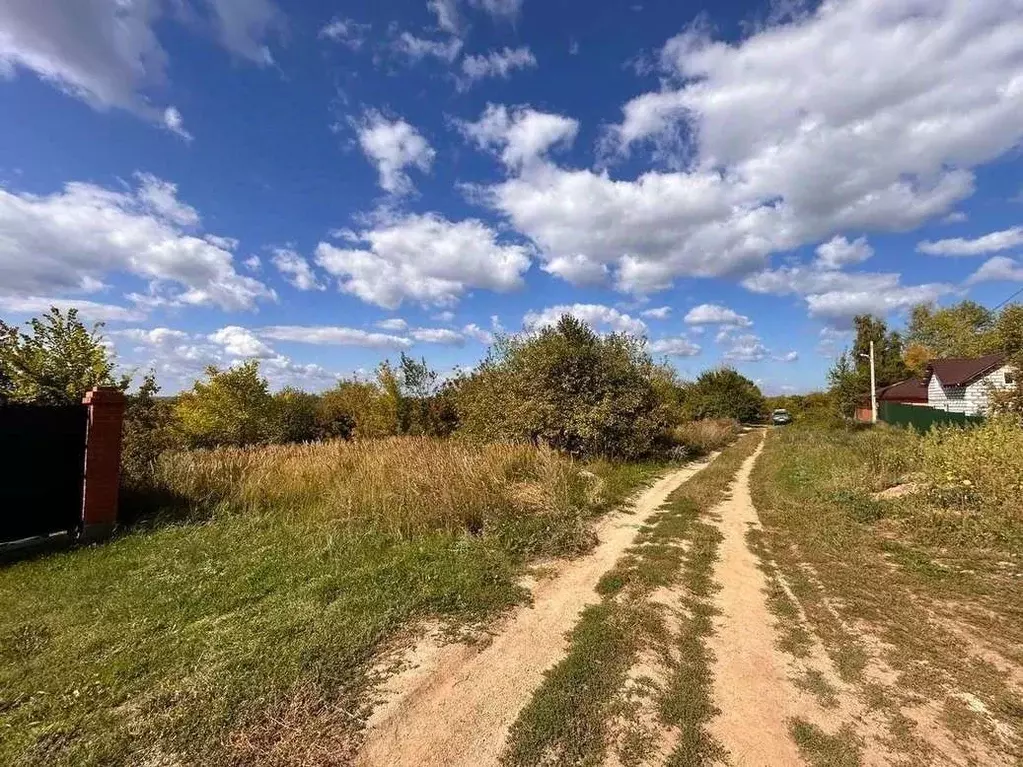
<point x="723" y="393"/>
<point x="569" y="388"/>
<point x="233" y="407"/>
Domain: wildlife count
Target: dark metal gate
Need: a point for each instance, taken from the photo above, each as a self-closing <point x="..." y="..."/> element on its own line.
<point x="42" y="466"/>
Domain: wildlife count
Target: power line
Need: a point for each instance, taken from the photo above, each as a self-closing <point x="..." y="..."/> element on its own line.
<point x="1007" y="300"/>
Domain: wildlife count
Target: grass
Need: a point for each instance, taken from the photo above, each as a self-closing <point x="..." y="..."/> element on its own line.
<point x="571" y="717"/>
<point x="239" y="629"/>
<point x="910" y="582"/>
<point x="823" y="750"/>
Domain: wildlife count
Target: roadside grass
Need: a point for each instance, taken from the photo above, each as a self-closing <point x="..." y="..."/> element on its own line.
<point x="823" y="750"/>
<point x="571" y="717"/>
<point x="240" y="628"/>
<point x="893" y="587"/>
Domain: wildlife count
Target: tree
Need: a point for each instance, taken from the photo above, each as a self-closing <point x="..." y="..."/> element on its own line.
<point x="357" y="409"/>
<point x="849" y="377"/>
<point x="293" y="416"/>
<point x="963" y="330"/>
<point x="724" y="393"/>
<point x="569" y="388"/>
<point x="150" y="429"/>
<point x="55" y="364"/>
<point x="230" y="408"/>
<point x="915" y="357"/>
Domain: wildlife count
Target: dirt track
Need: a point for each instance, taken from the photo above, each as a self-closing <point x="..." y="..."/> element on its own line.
<point x="455" y="703"/>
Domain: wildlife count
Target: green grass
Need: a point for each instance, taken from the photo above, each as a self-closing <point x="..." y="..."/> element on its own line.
<point x="569" y="720"/>
<point x="823" y="750"/>
<point x="860" y="566"/>
<point x="245" y="636"/>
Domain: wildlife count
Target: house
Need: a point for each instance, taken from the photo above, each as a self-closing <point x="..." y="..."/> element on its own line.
<point x="912" y="391"/>
<point x="958" y="385"/>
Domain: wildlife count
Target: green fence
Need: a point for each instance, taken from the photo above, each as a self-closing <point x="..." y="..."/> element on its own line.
<point x="922" y="418"/>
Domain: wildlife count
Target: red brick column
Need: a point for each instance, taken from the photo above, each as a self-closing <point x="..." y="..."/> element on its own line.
<point x="102" y="461"/>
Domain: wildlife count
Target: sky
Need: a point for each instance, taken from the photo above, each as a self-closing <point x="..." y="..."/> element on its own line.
<point x="323" y="185"/>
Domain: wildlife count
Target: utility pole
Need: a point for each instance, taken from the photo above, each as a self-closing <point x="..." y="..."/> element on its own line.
<point x="873" y="385"/>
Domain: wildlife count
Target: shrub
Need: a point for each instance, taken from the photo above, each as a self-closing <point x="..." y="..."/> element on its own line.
<point x="568" y="388"/>
<point x="293" y="416"/>
<point x="357" y="409"/>
<point x="723" y="393"/>
<point x="232" y="407"/>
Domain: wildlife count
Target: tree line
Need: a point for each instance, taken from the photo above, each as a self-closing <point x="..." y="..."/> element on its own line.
<point x="565" y="386"/>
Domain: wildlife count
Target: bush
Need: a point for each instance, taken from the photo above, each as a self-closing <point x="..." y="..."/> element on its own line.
<point x="293" y="417"/>
<point x="723" y="393"/>
<point x="233" y="407"/>
<point x="568" y="388"/>
<point x="357" y="409"/>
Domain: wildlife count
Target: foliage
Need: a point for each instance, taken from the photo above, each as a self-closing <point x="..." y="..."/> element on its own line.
<point x="698" y="438"/>
<point x="230" y="408"/>
<point x="55" y="364"/>
<point x="294" y="416"/>
<point x="849" y="377"/>
<point x="814" y="408"/>
<point x="149" y="430"/>
<point x="357" y="409"/>
<point x="723" y="393"/>
<point x="569" y="388"/>
<point x="963" y="330"/>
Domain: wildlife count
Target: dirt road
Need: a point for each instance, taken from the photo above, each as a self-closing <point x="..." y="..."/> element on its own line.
<point x="455" y="703"/>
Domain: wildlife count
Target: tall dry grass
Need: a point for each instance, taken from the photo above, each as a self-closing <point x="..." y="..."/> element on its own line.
<point x="402" y="486"/>
<point x="696" y="438"/>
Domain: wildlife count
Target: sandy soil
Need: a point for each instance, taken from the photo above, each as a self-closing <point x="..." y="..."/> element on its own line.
<point x="454" y="703"/>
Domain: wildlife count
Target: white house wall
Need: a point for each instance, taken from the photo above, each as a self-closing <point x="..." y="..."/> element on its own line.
<point x="971" y="400"/>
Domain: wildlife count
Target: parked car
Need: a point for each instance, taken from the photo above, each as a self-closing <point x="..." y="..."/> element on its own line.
<point x="781" y="417"/>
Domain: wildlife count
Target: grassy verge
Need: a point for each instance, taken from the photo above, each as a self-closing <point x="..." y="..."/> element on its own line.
<point x="903" y="592"/>
<point x="570" y="718"/>
<point x="240" y="631"/>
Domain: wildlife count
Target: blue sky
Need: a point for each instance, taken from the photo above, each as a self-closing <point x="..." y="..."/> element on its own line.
<point x="322" y="185"/>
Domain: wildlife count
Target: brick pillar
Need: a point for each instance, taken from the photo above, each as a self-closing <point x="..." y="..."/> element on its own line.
<point x="102" y="461"/>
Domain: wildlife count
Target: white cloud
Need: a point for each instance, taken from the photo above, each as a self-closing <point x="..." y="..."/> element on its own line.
<point x="87" y="310"/>
<point x="477" y="333"/>
<point x="447" y="14"/>
<point x="955" y="217"/>
<point x="675" y="347"/>
<point x="659" y="313"/>
<point x="841" y="306"/>
<point x="788" y="357"/>
<point x="417" y="48"/>
<point x="746" y="348"/>
<point x="241" y="342"/>
<point x="862" y="116"/>
<point x="107" y="53"/>
<point x="715" y="314"/>
<point x="989" y="243"/>
<point x="152" y="336"/>
<point x="495" y="64"/>
<point x="394" y="324"/>
<point x="578" y="270"/>
<point x="252" y="263"/>
<point x="444" y="336"/>
<point x="347" y="32"/>
<point x="295" y="269"/>
<point x="595" y="315"/>
<point x="446" y="316"/>
<point x="393" y="147"/>
<point x="175" y="123"/>
<point x="450" y="20"/>
<point x="66" y="241"/>
<point x="998" y="269"/>
<point x="523" y="135"/>
<point x="424" y="258"/>
<point x="326" y="335"/>
<point x="838" y="252"/>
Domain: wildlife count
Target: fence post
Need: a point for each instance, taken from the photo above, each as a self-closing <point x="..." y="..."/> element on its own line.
<point x="102" y="461"/>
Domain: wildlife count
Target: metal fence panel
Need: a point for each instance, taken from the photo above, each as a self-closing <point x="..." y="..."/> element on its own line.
<point x="42" y="466"/>
<point x="922" y="418"/>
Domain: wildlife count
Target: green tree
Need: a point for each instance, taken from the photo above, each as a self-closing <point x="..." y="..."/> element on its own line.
<point x="569" y="388"/>
<point x="357" y="409"/>
<point x="849" y="377"/>
<point x="847" y="384"/>
<point x="150" y="429"/>
<point x="232" y="407"/>
<point x="724" y="393"/>
<point x="293" y="416"/>
<point x="966" y="329"/>
<point x="56" y="363"/>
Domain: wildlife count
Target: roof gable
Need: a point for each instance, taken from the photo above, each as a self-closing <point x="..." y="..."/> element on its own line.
<point x="962" y="371"/>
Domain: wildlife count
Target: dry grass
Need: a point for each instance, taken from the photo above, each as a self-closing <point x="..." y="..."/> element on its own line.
<point x="698" y="438"/>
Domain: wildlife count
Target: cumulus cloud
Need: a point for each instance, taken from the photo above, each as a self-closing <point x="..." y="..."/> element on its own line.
<point x="66" y="241"/>
<point x="775" y="154"/>
<point x="595" y="315"/>
<point x="107" y="53"/>
<point x="658" y="313"/>
<point x="495" y="64"/>
<point x="746" y="348"/>
<point x="989" y="243"/>
<point x="675" y="347"/>
<point x="788" y="357"/>
<point x="328" y="335"/>
<point x="476" y="333"/>
<point x="424" y="258"/>
<point x="715" y="314"/>
<point x="449" y="16"/>
<point x="295" y="269"/>
<point x="522" y="135"/>
<point x="87" y="310"/>
<point x="998" y="269"/>
<point x="444" y="336"/>
<point x="394" y="146"/>
<point x="394" y="324"/>
<point x="839" y="252"/>
<point x="241" y="342"/>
